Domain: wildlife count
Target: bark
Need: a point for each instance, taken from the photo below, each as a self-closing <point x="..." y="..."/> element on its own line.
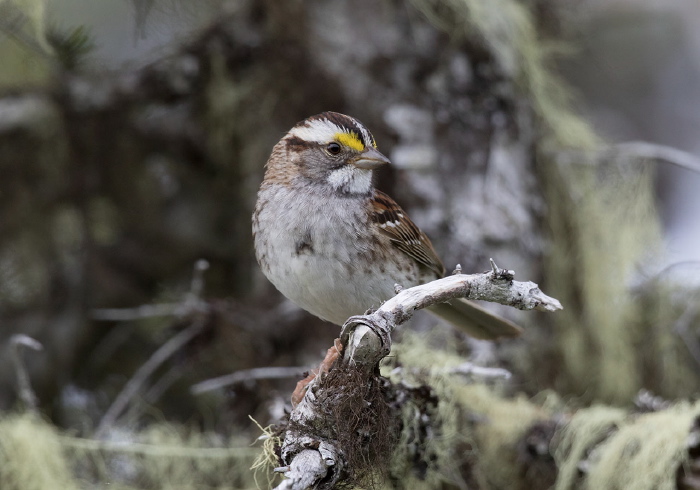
<point x="315" y="424"/>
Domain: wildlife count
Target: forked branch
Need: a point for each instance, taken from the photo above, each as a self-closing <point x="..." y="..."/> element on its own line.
<point x="309" y="455"/>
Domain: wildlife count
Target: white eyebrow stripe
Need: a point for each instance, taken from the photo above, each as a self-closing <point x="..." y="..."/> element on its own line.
<point x="366" y="136"/>
<point x="317" y="131"/>
<point x="323" y="131"/>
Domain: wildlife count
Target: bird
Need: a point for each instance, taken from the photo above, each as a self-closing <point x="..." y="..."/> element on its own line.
<point x="335" y="245"/>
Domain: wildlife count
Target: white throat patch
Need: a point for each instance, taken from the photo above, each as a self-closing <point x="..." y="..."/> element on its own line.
<point x="351" y="180"/>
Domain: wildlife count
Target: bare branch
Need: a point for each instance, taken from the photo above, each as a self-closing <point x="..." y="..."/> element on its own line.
<point x="137" y="313"/>
<point x="191" y="303"/>
<point x="24" y="386"/>
<point x="247" y="375"/>
<point x="489" y="286"/>
<point x="366" y="340"/>
<point x="638" y="150"/>
<point x="197" y="285"/>
<point x="466" y="369"/>
<point x="144" y="372"/>
<point x="667" y="154"/>
<point x="191" y="306"/>
<point x="156" y="449"/>
<point x="163" y="384"/>
<point x="470" y="369"/>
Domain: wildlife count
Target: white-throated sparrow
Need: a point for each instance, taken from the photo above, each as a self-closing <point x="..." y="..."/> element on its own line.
<point x="332" y="243"/>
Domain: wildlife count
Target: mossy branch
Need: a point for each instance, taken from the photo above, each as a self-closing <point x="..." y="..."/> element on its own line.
<point x="317" y="449"/>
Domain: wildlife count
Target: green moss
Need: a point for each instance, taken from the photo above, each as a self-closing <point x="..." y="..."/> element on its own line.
<point x="22" y="67"/>
<point x="504" y="421"/>
<point x="24" y="51"/>
<point x="486" y="449"/>
<point x="422" y="363"/>
<point x="32" y="456"/>
<point x="645" y="453"/>
<point x="603" y="226"/>
<point x="35" y="455"/>
<point x="642" y="452"/>
<point x="585" y="430"/>
<point x="669" y="318"/>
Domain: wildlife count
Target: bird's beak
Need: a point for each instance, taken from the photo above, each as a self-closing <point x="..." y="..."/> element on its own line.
<point x="370" y="159"/>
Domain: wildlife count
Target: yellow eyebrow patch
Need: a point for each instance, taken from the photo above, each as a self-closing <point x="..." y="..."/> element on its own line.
<point x="351" y="140"/>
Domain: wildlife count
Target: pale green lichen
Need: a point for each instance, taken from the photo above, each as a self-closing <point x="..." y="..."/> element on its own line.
<point x="643" y="452"/>
<point x="36" y="455"/>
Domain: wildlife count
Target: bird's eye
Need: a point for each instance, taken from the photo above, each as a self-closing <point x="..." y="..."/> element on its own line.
<point x="333" y="148"/>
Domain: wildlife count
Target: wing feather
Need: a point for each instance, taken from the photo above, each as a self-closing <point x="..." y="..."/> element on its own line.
<point x="393" y="222"/>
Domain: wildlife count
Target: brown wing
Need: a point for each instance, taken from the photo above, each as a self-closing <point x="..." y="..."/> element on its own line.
<point x="393" y="222"/>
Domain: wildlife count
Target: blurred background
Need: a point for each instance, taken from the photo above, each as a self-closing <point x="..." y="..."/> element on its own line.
<point x="557" y="136"/>
<point x="636" y="72"/>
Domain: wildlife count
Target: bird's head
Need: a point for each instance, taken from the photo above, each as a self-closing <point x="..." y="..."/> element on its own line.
<point x="330" y="150"/>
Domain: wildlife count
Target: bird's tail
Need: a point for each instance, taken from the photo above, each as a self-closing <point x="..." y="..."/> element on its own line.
<point x="475" y="321"/>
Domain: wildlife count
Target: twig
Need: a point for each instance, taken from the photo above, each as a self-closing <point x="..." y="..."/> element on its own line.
<point x="136" y="382"/>
<point x="192" y="306"/>
<point x="681" y="328"/>
<point x="157" y="449"/>
<point x="686" y="264"/>
<point x="465" y="368"/>
<point x="164" y="383"/>
<point x="367" y="340"/>
<point x="197" y="284"/>
<point x="488" y="286"/>
<point x="470" y="369"/>
<point x="667" y="154"/>
<point x="637" y="150"/>
<point x="247" y="375"/>
<point x="191" y="303"/>
<point x="137" y="313"/>
<point x="24" y="387"/>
